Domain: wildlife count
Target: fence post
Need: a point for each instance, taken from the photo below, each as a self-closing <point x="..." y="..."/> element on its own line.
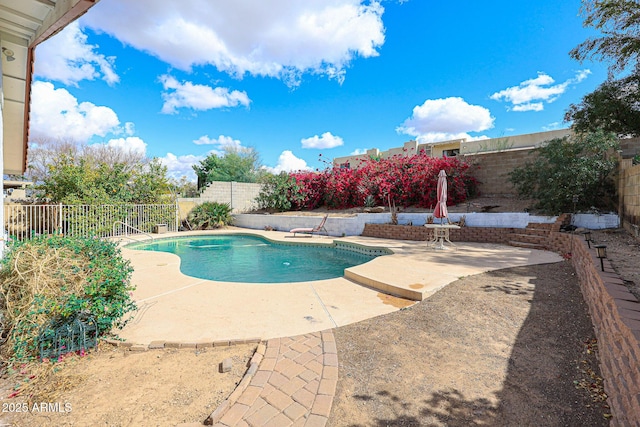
<point x="60" y="218"/>
<point x="176" y="215"/>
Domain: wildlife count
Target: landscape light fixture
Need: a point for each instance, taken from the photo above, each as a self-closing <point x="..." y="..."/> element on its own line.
<point x="602" y="254"/>
<point x="587" y="237"/>
<point x="9" y="54"/>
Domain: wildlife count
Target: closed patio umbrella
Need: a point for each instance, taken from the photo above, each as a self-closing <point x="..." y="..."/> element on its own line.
<point x="441" y="207"/>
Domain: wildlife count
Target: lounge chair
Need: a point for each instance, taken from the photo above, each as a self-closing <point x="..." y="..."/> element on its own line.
<point x="317" y="229"/>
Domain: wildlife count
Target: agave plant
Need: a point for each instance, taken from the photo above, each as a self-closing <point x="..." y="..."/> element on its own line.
<point x="369" y="201"/>
<point x="210" y="215"/>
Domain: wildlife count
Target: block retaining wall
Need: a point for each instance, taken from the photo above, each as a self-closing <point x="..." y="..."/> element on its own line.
<point x="614" y="310"/>
<point x="464" y="234"/>
<point x="615" y="313"/>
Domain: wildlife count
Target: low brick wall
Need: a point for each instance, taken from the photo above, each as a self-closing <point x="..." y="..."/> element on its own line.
<point x="464" y="234"/>
<point x="615" y="312"/>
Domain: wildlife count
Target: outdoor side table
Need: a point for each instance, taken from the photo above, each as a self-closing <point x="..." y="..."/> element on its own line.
<point x="440" y="235"/>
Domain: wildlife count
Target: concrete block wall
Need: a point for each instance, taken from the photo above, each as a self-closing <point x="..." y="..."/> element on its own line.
<point x="629" y="191"/>
<point x="239" y="195"/>
<point x="630" y="147"/>
<point x="492" y="170"/>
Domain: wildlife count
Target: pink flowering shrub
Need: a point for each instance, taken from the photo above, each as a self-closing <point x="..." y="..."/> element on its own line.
<point x="405" y="181"/>
<point x="309" y="189"/>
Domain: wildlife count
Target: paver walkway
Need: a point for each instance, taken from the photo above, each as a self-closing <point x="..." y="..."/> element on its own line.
<point x="294" y="385"/>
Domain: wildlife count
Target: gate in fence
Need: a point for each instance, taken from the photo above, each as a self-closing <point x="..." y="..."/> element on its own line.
<point x="27" y="221"/>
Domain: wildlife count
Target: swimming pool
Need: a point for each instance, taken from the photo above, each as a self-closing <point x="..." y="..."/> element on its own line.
<point x="253" y="259"/>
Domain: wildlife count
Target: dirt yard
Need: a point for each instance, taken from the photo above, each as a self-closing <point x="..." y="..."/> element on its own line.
<point x="114" y="387"/>
<point x="504" y="348"/>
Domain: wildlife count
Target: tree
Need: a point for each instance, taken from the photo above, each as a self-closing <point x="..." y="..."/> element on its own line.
<point x="82" y="181"/>
<point x="148" y="184"/>
<point x="566" y="167"/>
<point x="74" y="173"/>
<point x="619" y="22"/>
<point x="46" y="154"/>
<point x="613" y="107"/>
<point x="183" y="187"/>
<point x="236" y="164"/>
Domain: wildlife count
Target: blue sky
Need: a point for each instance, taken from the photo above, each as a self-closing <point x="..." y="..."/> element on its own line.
<point x="294" y="79"/>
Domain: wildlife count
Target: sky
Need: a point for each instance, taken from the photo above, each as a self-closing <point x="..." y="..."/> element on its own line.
<point x="302" y="81"/>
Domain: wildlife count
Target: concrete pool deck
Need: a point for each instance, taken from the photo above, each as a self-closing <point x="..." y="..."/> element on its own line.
<point x="174" y="307"/>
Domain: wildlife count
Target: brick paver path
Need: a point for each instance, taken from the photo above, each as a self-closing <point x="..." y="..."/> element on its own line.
<point x="293" y="386"/>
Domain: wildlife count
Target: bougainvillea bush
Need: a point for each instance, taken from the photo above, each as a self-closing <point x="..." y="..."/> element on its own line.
<point x="405" y="181"/>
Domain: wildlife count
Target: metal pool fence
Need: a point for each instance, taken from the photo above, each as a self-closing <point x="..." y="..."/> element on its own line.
<point x="27" y="221"/>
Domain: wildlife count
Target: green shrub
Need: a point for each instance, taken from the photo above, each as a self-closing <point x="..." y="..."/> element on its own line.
<point x="564" y="167"/>
<point x="55" y="277"/>
<point x="278" y="192"/>
<point x="210" y="215"/>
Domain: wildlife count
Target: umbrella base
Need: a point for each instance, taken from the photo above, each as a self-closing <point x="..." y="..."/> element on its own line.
<point x="441" y="235"/>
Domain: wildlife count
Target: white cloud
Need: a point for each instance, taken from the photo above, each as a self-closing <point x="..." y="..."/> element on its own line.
<point x="288" y="162"/>
<point x="279" y="38"/>
<point x="129" y="144"/>
<point x="530" y="94"/>
<point x="222" y="141"/>
<point x="68" y="58"/>
<point x="198" y="97"/>
<point x="327" y="140"/>
<point x="552" y="126"/>
<point x="358" y="151"/>
<point x="529" y="106"/>
<point x="179" y="166"/>
<point x="129" y="128"/>
<point x="57" y="114"/>
<point x="445" y="119"/>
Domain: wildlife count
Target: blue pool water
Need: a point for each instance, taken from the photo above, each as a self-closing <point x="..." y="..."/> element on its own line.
<point x="252" y="259"/>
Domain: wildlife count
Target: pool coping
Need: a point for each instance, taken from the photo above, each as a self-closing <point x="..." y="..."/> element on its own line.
<point x="365" y="274"/>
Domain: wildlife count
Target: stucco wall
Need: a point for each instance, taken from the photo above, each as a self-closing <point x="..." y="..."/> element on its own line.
<point x="354" y="225"/>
